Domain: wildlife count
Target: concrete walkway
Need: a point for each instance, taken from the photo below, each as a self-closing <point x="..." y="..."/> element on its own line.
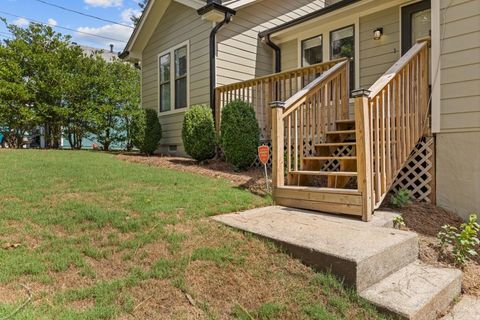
<point x="380" y="262"/>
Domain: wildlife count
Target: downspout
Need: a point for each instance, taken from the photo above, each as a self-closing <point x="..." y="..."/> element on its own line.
<point x="213" y="60"/>
<point x="278" y="53"/>
<point x="278" y="61"/>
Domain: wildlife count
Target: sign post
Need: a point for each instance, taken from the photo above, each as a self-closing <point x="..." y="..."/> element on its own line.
<point x="263" y="155"/>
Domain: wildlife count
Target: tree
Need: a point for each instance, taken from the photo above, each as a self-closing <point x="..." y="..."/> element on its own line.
<point x="35" y="55"/>
<point x="142" y="4"/>
<point x="121" y="102"/>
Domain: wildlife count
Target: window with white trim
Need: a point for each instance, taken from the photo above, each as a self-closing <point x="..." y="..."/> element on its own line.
<point x="173" y="78"/>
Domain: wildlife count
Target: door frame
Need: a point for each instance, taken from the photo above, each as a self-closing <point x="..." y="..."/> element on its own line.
<point x="406" y="25"/>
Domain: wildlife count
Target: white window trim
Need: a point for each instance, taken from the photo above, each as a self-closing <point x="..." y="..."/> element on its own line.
<point x="171" y="51"/>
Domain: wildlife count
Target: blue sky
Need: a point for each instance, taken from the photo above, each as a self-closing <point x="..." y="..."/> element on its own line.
<point x="115" y="10"/>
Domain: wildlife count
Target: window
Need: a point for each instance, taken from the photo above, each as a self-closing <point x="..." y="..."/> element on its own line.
<point x="173" y="79"/>
<point x="165" y="92"/>
<point x="312" y="51"/>
<point x="342" y="44"/>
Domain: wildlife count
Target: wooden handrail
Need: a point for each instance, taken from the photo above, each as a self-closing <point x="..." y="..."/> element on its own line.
<point x="300" y="97"/>
<point x="323" y="65"/>
<point x="274" y="87"/>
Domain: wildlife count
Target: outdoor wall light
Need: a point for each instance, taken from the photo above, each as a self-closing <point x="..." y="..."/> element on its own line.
<point x="377" y="33"/>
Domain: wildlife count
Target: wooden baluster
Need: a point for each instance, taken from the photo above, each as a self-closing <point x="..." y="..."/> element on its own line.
<point x="302" y="106"/>
<point x="289" y="144"/>
<point x="295" y="135"/>
<point x="388" y="141"/>
<point x="383" y="142"/>
<point x="378" y="186"/>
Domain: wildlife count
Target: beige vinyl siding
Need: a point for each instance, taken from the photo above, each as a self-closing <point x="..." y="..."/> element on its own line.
<point x="460" y="67"/>
<point x="376" y="56"/>
<point x="458" y="142"/>
<point x="241" y="55"/>
<point x="179" y="24"/>
<point x="289" y="54"/>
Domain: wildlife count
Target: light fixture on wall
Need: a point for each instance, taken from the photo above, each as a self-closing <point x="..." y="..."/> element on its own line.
<point x="377" y="33"/>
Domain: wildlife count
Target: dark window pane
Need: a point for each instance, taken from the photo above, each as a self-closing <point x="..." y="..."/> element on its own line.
<point x="342" y="44"/>
<point x="165" y="97"/>
<point x="180" y="62"/>
<point x="312" y="51"/>
<point x="181" y="93"/>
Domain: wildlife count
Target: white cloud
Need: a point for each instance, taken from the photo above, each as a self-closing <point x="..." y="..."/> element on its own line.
<point x="127" y="13"/>
<point x="21" y="22"/>
<point x="52" y="22"/>
<point x="113" y="31"/>
<point x="104" y="3"/>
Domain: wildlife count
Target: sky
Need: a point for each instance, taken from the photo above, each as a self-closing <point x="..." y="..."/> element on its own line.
<point x="84" y="29"/>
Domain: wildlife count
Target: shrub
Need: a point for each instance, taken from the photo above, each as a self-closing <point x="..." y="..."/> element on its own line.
<point x="147" y="132"/>
<point x="463" y="241"/>
<point x="239" y="134"/>
<point x="401" y="198"/>
<point x="198" y="133"/>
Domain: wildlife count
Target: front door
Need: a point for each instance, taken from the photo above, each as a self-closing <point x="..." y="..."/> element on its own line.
<point x="416" y="23"/>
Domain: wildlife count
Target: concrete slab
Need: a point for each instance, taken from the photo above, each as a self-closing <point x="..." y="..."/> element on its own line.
<point x="467" y="308"/>
<point x="417" y="292"/>
<point x="361" y="253"/>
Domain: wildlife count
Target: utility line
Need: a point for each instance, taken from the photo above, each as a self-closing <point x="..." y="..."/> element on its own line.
<point x="83" y="14"/>
<point x="61" y="27"/>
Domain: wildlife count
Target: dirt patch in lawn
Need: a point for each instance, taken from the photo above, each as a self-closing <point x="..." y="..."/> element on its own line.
<point x="427" y="220"/>
<point x="252" y="179"/>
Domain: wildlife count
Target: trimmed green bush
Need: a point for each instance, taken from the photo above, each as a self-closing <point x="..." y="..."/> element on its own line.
<point x="147" y="132"/>
<point x="240" y="134"/>
<point x="198" y="132"/>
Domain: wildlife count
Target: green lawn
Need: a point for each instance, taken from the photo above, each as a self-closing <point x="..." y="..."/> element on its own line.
<point x="102" y="239"/>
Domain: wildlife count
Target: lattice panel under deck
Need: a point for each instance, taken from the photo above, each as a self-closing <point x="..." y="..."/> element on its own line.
<point x="418" y="174"/>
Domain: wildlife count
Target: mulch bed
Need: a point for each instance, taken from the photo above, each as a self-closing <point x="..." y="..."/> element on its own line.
<point x="252" y="179"/>
<point x="427" y="220"/>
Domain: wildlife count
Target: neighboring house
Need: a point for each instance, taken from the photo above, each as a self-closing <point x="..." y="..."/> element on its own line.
<point x="173" y="44"/>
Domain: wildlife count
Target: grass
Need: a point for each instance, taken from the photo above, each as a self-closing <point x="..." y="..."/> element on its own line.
<point x="104" y="239"/>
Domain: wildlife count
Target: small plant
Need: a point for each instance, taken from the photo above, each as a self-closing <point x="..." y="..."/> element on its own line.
<point x="401" y="198"/>
<point x="198" y="133"/>
<point x="398" y="222"/>
<point x="147" y="132"/>
<point x="240" y="134"/>
<point x="463" y="240"/>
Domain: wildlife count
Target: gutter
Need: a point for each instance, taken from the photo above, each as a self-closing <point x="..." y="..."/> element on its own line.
<point x="311" y="15"/>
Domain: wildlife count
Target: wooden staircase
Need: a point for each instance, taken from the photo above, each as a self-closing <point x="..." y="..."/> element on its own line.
<point x="324" y="156"/>
<point x="334" y="163"/>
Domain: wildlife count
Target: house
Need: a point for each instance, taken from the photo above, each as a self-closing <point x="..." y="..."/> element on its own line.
<point x="416" y="125"/>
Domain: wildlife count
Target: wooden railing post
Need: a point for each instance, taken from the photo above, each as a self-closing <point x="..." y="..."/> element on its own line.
<point x="363" y="149"/>
<point x="278" y="166"/>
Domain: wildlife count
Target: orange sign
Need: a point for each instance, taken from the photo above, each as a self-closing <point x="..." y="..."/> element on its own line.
<point x="263" y="154"/>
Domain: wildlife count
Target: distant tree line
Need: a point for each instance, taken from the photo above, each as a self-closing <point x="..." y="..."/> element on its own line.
<point x="49" y="82"/>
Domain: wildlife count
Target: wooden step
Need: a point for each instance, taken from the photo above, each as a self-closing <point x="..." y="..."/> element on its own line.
<point x="346" y="201"/>
<point x="336" y="144"/>
<point x="326" y="173"/>
<point x="341" y="132"/>
<point x="345" y="121"/>
<point x="330" y="158"/>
